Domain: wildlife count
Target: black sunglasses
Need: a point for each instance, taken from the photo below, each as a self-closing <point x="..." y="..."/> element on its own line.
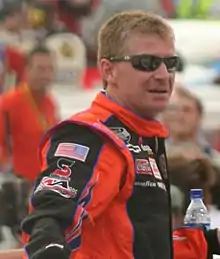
<point x="149" y="62"/>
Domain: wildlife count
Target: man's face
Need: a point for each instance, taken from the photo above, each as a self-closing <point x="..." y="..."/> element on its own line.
<point x="145" y="92"/>
<point x="41" y="71"/>
<point x="186" y="117"/>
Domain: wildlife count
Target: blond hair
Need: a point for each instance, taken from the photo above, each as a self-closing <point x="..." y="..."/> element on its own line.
<point x="116" y="31"/>
<point x="185" y="93"/>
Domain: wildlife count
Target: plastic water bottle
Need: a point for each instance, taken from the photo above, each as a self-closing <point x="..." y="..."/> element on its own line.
<point x="197" y="213"/>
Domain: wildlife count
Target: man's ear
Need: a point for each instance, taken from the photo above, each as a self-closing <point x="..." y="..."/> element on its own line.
<point x="107" y="71"/>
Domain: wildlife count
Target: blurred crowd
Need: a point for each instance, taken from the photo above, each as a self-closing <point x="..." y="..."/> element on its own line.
<point x="192" y="161"/>
<point x="45" y="42"/>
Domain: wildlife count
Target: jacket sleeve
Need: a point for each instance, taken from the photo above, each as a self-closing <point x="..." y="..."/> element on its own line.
<point x="213" y="241"/>
<point x="81" y="174"/>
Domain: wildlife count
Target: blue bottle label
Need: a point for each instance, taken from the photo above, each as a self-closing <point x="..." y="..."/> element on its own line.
<point x="192" y="225"/>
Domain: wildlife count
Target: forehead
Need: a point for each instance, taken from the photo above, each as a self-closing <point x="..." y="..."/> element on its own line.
<point x="150" y="44"/>
<point x="41" y="58"/>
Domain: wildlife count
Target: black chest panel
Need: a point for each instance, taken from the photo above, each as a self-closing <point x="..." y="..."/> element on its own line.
<point x="148" y="207"/>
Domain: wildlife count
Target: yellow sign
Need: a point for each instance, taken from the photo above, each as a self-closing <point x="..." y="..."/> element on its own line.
<point x="36" y="17"/>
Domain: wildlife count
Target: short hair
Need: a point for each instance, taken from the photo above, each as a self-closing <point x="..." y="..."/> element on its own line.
<point x="185" y="93"/>
<point x="115" y="32"/>
<point x="38" y="49"/>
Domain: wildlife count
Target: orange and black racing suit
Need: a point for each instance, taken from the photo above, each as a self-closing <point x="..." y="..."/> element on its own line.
<point x="103" y="192"/>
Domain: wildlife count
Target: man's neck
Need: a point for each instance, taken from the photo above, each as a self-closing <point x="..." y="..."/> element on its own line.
<point x="112" y="97"/>
<point x="37" y="94"/>
<point x="115" y="98"/>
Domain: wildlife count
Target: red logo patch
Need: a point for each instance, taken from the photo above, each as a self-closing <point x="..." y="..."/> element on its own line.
<point x="143" y="166"/>
<point x="63" y="168"/>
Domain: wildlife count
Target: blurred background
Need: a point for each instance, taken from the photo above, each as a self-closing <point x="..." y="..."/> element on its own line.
<point x="69" y="29"/>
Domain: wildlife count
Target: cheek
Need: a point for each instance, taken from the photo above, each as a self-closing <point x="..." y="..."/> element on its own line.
<point x="141" y="80"/>
<point x="171" y="81"/>
<point x="194" y="120"/>
<point x="36" y="74"/>
<point x="126" y="77"/>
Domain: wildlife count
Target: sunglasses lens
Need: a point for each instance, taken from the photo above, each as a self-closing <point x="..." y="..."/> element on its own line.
<point x="171" y="63"/>
<point x="150" y="63"/>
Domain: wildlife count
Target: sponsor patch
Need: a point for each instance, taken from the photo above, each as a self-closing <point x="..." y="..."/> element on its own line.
<point x="155" y="168"/>
<point x="107" y="131"/>
<point x="134" y="148"/>
<point x="179" y="238"/>
<point x="72" y="150"/>
<point x="122" y="133"/>
<point x="162" y="186"/>
<point x="143" y="167"/>
<point x="138" y="149"/>
<point x="59" y="186"/>
<point x="64" y="168"/>
<point x="147" y="149"/>
<point x="146" y="184"/>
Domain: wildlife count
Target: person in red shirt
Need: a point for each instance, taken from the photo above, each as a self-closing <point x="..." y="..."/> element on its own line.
<point x="26" y="113"/>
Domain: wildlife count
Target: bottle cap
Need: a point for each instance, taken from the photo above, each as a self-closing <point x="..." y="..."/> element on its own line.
<point x="196" y="193"/>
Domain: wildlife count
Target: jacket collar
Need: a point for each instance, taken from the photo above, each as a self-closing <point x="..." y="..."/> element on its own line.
<point x="143" y="127"/>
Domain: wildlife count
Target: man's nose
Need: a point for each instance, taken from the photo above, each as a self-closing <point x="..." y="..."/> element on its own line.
<point x="161" y="72"/>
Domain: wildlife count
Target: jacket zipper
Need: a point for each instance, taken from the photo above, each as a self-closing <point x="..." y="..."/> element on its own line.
<point x="156" y="146"/>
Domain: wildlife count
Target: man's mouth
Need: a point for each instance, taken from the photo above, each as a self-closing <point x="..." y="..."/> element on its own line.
<point x="158" y="91"/>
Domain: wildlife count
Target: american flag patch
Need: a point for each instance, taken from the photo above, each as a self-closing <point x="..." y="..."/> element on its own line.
<point x="72" y="150"/>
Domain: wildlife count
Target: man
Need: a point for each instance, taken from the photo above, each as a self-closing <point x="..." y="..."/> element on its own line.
<point x="101" y="169"/>
<point x="102" y="192"/>
<point x="26" y="113"/>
